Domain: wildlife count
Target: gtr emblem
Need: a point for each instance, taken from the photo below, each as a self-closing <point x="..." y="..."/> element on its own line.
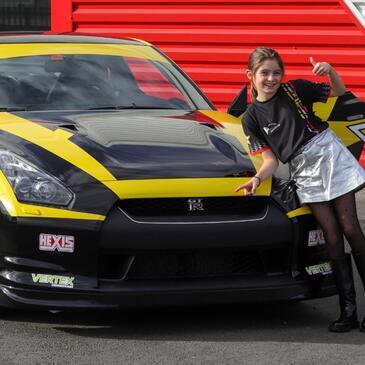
<point x="195" y="204"/>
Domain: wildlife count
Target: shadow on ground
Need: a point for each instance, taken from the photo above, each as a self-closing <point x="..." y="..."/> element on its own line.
<point x="286" y="322"/>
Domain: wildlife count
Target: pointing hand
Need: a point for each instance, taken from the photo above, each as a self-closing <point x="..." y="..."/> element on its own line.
<point x="249" y="188"/>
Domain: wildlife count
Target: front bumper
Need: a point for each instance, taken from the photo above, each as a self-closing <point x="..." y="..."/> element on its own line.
<point x="128" y="262"/>
<point x="171" y="294"/>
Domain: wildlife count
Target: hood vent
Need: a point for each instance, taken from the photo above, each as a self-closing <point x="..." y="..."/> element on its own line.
<point x="72" y="127"/>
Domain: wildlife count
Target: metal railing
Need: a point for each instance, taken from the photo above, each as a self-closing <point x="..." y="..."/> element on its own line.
<point x="358" y="9"/>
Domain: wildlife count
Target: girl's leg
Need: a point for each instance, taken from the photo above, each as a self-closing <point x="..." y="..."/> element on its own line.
<point x="346" y="212"/>
<point x="345" y="207"/>
<point x="326" y="217"/>
<point x="325" y="213"/>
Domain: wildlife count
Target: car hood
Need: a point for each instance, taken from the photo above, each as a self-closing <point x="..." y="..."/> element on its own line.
<point x="130" y="144"/>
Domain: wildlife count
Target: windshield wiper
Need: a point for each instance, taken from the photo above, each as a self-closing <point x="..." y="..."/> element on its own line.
<point x="110" y="107"/>
<point x="123" y="107"/>
<point x="13" y="109"/>
<point x="153" y="107"/>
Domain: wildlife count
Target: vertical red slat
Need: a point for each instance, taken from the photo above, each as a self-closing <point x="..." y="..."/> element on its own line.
<point x="61" y="16"/>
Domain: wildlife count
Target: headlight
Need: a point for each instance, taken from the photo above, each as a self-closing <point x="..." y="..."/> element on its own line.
<point x="30" y="184"/>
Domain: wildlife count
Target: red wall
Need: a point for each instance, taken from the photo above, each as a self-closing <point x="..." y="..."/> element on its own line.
<point x="211" y="39"/>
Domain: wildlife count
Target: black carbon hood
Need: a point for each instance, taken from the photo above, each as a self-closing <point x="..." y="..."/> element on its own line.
<point x="141" y="144"/>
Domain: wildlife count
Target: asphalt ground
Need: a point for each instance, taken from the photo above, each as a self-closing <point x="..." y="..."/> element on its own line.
<point x="250" y="334"/>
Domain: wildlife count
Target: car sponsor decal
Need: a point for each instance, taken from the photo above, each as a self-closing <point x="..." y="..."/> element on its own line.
<point x="53" y="242"/>
<point x="315" y="238"/>
<point x="324" y="268"/>
<point x="54" y="280"/>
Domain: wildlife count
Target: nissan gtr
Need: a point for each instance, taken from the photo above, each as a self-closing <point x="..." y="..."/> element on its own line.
<point x="117" y="186"/>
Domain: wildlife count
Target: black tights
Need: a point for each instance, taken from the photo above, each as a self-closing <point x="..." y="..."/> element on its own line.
<point x="338" y="217"/>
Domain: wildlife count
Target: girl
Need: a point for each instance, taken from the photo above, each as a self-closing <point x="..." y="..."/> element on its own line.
<point x="281" y="125"/>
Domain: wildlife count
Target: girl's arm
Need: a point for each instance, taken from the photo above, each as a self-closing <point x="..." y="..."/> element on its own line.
<point x="325" y="69"/>
<point x="268" y="167"/>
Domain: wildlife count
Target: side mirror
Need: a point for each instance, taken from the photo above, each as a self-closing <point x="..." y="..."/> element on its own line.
<point x="239" y="103"/>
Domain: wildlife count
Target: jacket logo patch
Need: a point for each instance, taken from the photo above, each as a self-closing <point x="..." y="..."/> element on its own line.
<point x="53" y="242"/>
<point x="271" y="128"/>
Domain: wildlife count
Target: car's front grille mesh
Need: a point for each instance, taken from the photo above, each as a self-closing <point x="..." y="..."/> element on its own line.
<point x="245" y="206"/>
<point x="167" y="265"/>
<point x="194" y="265"/>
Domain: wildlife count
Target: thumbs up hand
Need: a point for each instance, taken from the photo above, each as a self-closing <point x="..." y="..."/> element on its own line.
<point x="320" y="68"/>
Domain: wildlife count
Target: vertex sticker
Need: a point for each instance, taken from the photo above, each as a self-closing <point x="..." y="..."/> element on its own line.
<point x="53" y="242"/>
<point x="54" y="280"/>
<point x="323" y="268"/>
<point x="316" y="238"/>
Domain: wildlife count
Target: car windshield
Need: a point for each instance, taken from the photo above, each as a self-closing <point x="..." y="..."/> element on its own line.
<point x="89" y="82"/>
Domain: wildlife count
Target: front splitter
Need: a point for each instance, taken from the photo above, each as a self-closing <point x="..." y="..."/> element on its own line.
<point x="282" y="290"/>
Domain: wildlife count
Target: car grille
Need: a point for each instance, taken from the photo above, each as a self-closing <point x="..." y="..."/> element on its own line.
<point x="167" y="265"/>
<point x="246" y="206"/>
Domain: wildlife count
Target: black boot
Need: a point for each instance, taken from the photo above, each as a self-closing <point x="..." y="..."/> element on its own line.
<point x="360" y="264"/>
<point x="342" y="273"/>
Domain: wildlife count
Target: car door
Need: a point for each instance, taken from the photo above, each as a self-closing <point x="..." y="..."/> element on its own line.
<point x="346" y="116"/>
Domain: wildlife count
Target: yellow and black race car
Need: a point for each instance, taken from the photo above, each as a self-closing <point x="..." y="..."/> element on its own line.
<point x="117" y="186"/>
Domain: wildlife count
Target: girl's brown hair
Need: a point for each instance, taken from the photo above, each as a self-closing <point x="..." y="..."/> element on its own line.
<point x="256" y="59"/>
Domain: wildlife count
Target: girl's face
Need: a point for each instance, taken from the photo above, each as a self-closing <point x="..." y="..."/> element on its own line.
<point x="266" y="79"/>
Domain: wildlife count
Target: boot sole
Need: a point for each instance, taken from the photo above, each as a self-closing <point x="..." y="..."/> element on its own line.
<point x="347" y="329"/>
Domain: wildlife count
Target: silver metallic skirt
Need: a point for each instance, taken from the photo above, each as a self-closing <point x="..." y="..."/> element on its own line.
<point x="325" y="169"/>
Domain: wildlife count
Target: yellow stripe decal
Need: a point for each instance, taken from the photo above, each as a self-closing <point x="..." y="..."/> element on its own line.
<point x="300" y="211"/>
<point x="56" y="142"/>
<point x="17" y="209"/>
<point x="41" y="49"/>
<point x="35" y="211"/>
<point x="169" y="188"/>
<point x="46" y="212"/>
